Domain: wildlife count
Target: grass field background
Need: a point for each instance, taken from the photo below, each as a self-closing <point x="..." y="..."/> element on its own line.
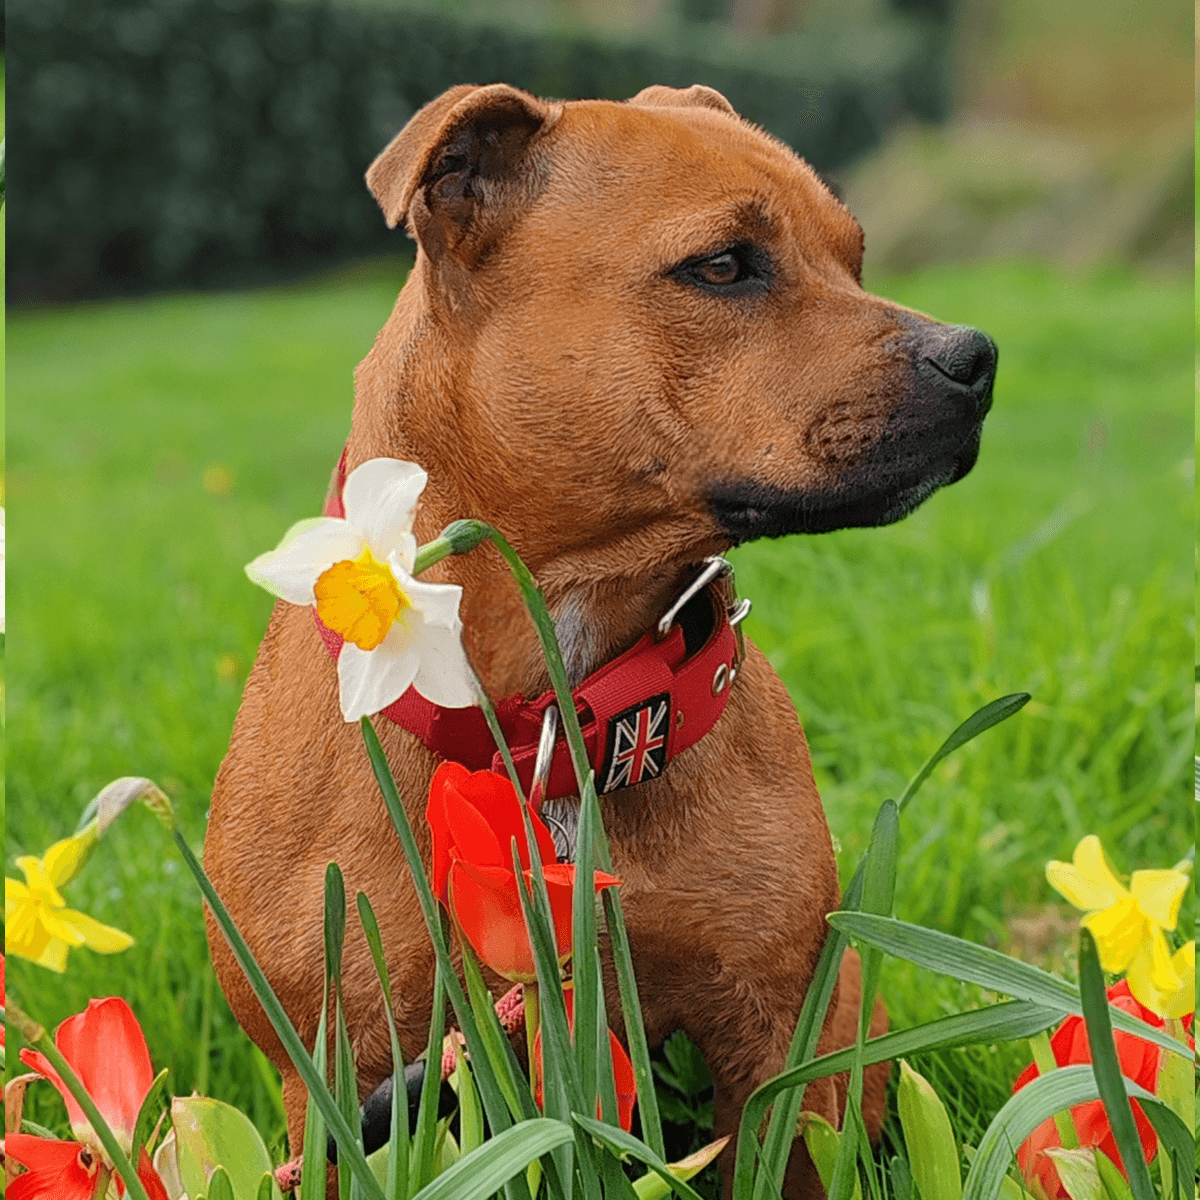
<point x="155" y="446"/>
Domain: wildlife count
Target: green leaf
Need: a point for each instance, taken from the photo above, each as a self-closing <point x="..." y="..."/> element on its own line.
<point x="154" y="1103"/>
<point x="335" y="920"/>
<point x="977" y="723"/>
<point x="624" y="1146"/>
<point x="220" y="1187"/>
<point x="933" y="1153"/>
<point x="1111" y="1180"/>
<point x="267" y="1189"/>
<point x="653" y="1187"/>
<point x="965" y="960"/>
<point x="1078" y="1171"/>
<point x="501" y="1158"/>
<point x="312" y="1181"/>
<point x="901" y="1178"/>
<point x="1107" y="1068"/>
<point x="395" y="1181"/>
<point x="211" y="1134"/>
<point x="824" y="1145"/>
<point x="424" y="1162"/>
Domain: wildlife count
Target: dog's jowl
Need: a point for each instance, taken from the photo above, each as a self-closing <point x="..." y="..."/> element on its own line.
<point x="634" y="337"/>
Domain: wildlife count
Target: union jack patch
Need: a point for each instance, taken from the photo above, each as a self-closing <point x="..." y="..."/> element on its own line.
<point x="637" y="743"/>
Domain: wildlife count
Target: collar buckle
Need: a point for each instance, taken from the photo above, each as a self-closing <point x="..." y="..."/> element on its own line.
<point x="720" y="570"/>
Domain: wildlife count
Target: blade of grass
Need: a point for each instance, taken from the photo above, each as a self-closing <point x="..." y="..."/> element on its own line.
<point x="1107" y="1068"/>
<point x="345" y="1078"/>
<point x="978" y="722"/>
<point x="879" y="887"/>
<point x="425" y="1135"/>
<point x="501" y="1159"/>
<point x="286" y="1032"/>
<point x="965" y="960"/>
<point x="398" y="1137"/>
<point x="312" y="1176"/>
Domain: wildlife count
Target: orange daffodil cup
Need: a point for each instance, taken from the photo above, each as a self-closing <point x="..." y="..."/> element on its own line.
<point x="357" y="572"/>
<point x="1129" y="923"/>
<point x="105" y="1048"/>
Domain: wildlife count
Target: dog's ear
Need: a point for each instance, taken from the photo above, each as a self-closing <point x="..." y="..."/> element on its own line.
<point x="696" y="96"/>
<point x="462" y="153"/>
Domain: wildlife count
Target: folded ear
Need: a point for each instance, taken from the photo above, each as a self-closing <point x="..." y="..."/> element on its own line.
<point x="462" y="154"/>
<point x="696" y="96"/>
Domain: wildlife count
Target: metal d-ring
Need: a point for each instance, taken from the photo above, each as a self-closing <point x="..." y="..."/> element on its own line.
<point x="545" y="756"/>
<point x="712" y="568"/>
<point x="560" y="815"/>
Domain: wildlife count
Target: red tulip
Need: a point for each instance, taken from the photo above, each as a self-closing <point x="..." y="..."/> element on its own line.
<point x="474" y="817"/>
<point x="1139" y="1061"/>
<point x="623" y="1076"/>
<point x="106" y="1049"/>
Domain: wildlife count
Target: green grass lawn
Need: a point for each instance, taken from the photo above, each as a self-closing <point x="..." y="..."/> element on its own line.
<point x="155" y="446"/>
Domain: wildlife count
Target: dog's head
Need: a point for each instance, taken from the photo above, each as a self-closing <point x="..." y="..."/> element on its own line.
<point x="650" y="318"/>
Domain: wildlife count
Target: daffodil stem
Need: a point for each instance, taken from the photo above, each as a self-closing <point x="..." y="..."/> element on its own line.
<point x="37" y="1036"/>
<point x="1043" y="1056"/>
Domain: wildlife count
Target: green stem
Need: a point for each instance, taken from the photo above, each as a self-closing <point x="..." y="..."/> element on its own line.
<point x="33" y="1033"/>
<point x="533" y="1014"/>
<point x="1043" y="1057"/>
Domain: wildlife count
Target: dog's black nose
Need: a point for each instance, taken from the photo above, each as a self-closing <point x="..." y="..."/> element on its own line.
<point x="964" y="355"/>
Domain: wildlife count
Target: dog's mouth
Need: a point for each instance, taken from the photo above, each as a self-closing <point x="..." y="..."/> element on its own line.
<point x="878" y="491"/>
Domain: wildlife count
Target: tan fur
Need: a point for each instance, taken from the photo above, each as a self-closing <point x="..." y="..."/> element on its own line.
<point x="552" y="380"/>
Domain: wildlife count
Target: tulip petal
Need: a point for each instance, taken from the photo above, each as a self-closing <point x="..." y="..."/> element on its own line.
<point x="380" y="499"/>
<point x="1159" y="895"/>
<point x="1087" y="881"/>
<point x="471" y="836"/>
<point x="491" y="920"/>
<point x="290" y="570"/>
<point x="106" y="1048"/>
<point x="447" y="776"/>
<point x="369" y="680"/>
<point x="56" y="1171"/>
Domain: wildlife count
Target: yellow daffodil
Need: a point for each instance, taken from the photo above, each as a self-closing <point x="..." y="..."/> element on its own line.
<point x="38" y="925"/>
<point x="397" y="631"/>
<point x="1181" y="1000"/>
<point x="1127" y="923"/>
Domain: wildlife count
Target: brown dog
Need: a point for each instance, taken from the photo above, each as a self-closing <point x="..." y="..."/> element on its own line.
<point x="634" y="337"/>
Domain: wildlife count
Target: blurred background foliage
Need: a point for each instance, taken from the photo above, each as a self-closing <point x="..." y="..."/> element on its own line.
<point x="167" y="143"/>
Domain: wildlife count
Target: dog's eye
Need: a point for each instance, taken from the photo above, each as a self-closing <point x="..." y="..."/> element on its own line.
<point x="720" y="269"/>
<point x="738" y="271"/>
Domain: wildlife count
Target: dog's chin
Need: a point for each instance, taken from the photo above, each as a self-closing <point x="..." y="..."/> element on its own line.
<point x="748" y="509"/>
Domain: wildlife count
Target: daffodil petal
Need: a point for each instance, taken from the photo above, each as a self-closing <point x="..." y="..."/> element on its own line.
<point x="1150" y="975"/>
<point x="104" y="939"/>
<point x="438" y="602"/>
<point x="1159" y="895"/>
<point x="63" y="860"/>
<point x="1119" y="931"/>
<point x="444" y="676"/>
<point x="38" y="880"/>
<point x="15" y="892"/>
<point x="380" y="499"/>
<point x="290" y="571"/>
<point x="1087" y="881"/>
<point x="53" y="955"/>
<point x="1183" y="1001"/>
<point x="369" y="680"/>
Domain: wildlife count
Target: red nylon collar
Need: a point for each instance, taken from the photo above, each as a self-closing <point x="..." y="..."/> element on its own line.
<point x="637" y="712"/>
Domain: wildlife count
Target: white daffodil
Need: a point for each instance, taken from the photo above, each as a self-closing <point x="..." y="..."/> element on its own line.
<point x="398" y="632"/>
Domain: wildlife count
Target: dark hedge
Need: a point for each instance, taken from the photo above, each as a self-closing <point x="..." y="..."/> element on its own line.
<point x="163" y="143"/>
